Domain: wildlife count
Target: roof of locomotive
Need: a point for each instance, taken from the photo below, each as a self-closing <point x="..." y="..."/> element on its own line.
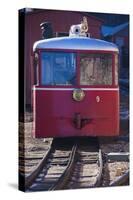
<point x="75" y="43"/>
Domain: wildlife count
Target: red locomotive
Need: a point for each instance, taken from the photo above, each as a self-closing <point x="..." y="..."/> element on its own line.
<point x="76" y="91"/>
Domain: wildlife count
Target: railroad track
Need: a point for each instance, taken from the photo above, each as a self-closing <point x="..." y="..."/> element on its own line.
<point x="55" y="169"/>
<point x="72" y="164"/>
<point x="88" y="169"/>
<point x="65" y="159"/>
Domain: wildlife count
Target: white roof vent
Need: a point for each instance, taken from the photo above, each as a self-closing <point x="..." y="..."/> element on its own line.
<point x="79" y="29"/>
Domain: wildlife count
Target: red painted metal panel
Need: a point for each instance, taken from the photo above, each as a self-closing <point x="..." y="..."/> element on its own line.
<point x="54" y="113"/>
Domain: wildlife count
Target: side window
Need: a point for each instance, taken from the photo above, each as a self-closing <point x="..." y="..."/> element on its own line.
<point x="116" y="69"/>
<point x="58" y="68"/>
<point x="46" y="70"/>
<point x="95" y="69"/>
<point x="35" y="66"/>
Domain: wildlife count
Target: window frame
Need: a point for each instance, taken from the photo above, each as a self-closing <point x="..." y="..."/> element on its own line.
<point x="36" y="68"/>
<point x="116" y="68"/>
<point x="77" y="52"/>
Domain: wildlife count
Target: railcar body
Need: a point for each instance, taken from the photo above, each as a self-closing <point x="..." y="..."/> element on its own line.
<point x="76" y="92"/>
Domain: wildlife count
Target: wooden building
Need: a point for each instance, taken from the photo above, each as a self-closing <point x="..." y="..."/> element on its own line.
<point x="119" y="35"/>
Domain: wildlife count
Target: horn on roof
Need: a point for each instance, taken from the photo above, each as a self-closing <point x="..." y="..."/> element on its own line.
<point x="47" y="31"/>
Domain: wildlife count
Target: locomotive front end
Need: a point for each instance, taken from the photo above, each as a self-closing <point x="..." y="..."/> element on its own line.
<point x="76" y="91"/>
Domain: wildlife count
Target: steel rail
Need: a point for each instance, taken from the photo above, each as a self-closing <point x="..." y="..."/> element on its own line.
<point x="31" y="177"/>
<point x="62" y="181"/>
<point x="120" y="180"/>
<point x="100" y="163"/>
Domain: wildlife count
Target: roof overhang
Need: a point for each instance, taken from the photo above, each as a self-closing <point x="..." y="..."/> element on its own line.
<point x="75" y="43"/>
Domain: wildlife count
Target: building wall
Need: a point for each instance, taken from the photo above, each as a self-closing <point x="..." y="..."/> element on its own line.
<point x="61" y="22"/>
<point x="122" y="40"/>
<point x="123" y="34"/>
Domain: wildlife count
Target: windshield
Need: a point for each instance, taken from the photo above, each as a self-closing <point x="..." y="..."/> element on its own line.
<point x="58" y="68"/>
<point x="95" y="69"/>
